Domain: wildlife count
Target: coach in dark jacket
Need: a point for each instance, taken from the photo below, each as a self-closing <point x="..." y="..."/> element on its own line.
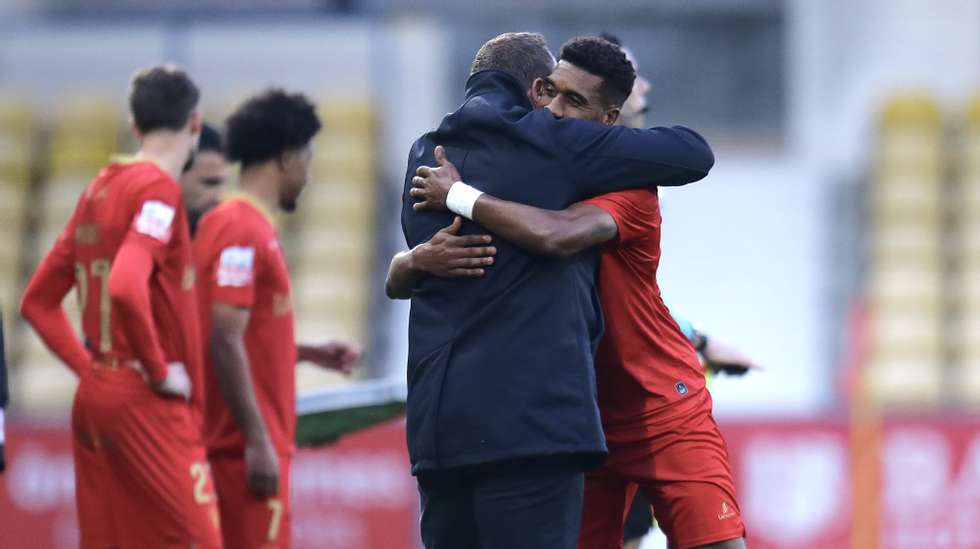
<point x="501" y="405"/>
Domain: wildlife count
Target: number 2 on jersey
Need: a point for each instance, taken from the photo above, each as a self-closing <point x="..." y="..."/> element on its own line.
<point x="99" y="268"/>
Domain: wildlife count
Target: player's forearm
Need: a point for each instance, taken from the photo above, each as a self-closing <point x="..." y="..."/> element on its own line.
<point x="548" y="232"/>
<point x="533" y="229"/>
<point x="402" y="276"/>
<point x="304" y="352"/>
<point x="231" y="368"/>
<point x="129" y="291"/>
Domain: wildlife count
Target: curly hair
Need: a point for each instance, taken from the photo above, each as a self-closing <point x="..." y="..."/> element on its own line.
<point x="606" y="60"/>
<point x="269" y="124"/>
<point x="162" y="98"/>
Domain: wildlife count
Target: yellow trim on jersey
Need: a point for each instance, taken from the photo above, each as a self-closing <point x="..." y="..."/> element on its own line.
<point x="256" y="203"/>
<point x="125" y="158"/>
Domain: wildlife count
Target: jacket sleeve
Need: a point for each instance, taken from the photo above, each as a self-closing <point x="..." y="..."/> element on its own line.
<point x="603" y="159"/>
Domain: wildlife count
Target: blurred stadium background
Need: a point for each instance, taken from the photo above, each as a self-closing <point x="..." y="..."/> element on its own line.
<point x="837" y="240"/>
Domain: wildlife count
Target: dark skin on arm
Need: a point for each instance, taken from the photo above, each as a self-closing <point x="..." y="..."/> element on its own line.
<point x="232" y="370"/>
<point x="231" y="367"/>
<point x="446" y="255"/>
<point x="548" y="232"/>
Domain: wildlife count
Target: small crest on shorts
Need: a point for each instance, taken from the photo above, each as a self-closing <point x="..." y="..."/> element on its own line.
<point x="681" y="388"/>
<point x="726" y="511"/>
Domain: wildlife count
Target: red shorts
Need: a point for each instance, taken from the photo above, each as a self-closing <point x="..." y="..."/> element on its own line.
<point x="248" y="521"/>
<point x="141" y="477"/>
<point x="683" y="472"/>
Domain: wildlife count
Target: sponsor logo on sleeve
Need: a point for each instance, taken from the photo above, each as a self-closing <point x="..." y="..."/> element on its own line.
<point x="155" y="220"/>
<point x="235" y="266"/>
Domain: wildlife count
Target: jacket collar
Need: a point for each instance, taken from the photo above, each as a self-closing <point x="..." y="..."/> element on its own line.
<point x="497" y="83"/>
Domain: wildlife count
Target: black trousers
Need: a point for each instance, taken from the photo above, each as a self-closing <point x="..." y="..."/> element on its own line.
<point x="525" y="504"/>
<point x="639" y="520"/>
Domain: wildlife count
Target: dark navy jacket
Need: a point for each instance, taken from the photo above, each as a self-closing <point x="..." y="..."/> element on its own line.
<point x="500" y="367"/>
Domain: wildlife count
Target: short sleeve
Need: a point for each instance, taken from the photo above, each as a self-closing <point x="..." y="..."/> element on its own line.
<point x="155" y="217"/>
<point x="636" y="212"/>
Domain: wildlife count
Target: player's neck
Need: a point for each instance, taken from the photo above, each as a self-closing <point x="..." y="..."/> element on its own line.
<point x="262" y="183"/>
<point x="167" y="150"/>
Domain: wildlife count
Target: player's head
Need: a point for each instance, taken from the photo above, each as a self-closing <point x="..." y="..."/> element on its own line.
<point x="274" y="129"/>
<point x="591" y="81"/>
<point x="162" y="99"/>
<point x="633" y="113"/>
<point x="205" y="174"/>
<point x="523" y="55"/>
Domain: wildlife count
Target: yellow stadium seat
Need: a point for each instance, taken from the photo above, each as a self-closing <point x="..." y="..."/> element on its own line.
<point x="915" y="110"/>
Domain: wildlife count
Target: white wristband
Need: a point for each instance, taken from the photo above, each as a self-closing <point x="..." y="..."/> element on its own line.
<point x="462" y="198"/>
<point x="1" y="425"/>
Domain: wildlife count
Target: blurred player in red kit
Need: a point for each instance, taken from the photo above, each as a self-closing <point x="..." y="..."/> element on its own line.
<point x="246" y="303"/>
<point x="656" y="411"/>
<point x="142" y="480"/>
<point x="203" y="179"/>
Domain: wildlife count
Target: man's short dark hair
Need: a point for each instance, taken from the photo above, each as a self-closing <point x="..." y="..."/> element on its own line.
<point x="270" y="124"/>
<point x="210" y="140"/>
<point x="162" y="98"/>
<point x="523" y="55"/>
<point x="606" y="60"/>
<point x="611" y="38"/>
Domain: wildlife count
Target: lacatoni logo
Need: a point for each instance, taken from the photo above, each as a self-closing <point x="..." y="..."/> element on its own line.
<point x="727" y="511"/>
<point x="155" y="220"/>
<point x="235" y="266"/>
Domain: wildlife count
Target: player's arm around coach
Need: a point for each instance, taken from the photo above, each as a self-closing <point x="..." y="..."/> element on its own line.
<point x="548" y="232"/>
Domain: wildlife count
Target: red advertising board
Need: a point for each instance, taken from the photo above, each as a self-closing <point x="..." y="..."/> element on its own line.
<point x="793" y="483"/>
<point x="355" y="493"/>
<point x="794" y="479"/>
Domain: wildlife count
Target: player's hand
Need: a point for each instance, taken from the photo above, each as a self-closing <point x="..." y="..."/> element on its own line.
<point x="449" y="256"/>
<point x="333" y="355"/>
<point x="431" y="185"/>
<point x="176" y="384"/>
<point x="262" y="468"/>
<point x="721" y="357"/>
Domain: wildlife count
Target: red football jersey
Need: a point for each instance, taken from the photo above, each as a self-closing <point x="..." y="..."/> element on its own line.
<point x="132" y="203"/>
<point x="645" y="366"/>
<point x="241" y="264"/>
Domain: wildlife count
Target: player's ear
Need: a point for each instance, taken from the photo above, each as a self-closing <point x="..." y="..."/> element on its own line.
<point x="134" y="128"/>
<point x="610" y="116"/>
<point x="284" y="160"/>
<point x="195" y="123"/>
<point x="536" y="93"/>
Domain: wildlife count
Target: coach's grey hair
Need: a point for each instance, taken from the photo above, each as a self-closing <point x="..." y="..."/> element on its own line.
<point x="523" y="55"/>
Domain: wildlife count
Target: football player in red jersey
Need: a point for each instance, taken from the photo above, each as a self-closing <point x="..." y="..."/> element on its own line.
<point x="142" y="480"/>
<point x="204" y="176"/>
<point x="246" y="303"/>
<point x="655" y="409"/>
